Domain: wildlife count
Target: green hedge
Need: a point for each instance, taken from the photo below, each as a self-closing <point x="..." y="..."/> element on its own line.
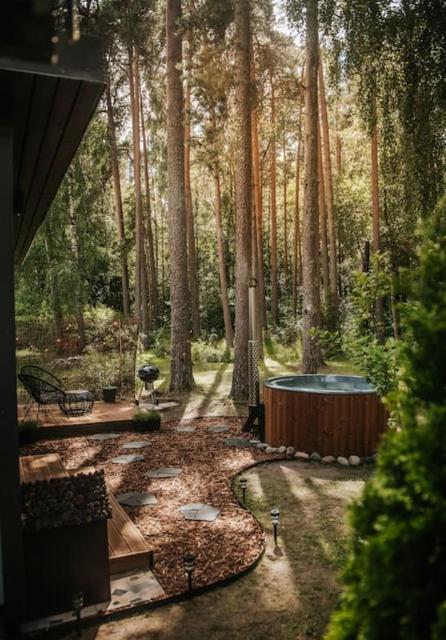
<point x="395" y="581"/>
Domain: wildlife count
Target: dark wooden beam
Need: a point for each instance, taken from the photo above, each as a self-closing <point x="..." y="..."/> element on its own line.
<point x="10" y="511"/>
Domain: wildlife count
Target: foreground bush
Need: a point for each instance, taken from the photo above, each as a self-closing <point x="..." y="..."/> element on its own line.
<point x="395" y="581"/>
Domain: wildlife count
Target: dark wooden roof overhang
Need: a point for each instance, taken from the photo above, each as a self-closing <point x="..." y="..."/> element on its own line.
<point x="50" y="106"/>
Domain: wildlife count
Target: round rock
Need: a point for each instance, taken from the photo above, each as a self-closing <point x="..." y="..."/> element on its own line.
<point x="328" y="460"/>
<point x="342" y="461"/>
<point x="354" y="461"/>
<point x="315" y="457"/>
<point x="282" y="449"/>
<point x="270" y="450"/>
<point x="290" y="451"/>
<point x="301" y="455"/>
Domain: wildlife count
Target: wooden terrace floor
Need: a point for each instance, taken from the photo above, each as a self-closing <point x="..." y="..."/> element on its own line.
<point x="53" y="423"/>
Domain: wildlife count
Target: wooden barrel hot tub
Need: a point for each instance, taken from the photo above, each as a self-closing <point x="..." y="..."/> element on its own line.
<point x="333" y="415"/>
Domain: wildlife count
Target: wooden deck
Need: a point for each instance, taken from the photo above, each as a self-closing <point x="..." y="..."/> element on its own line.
<point x="106" y="416"/>
<point x="127" y="547"/>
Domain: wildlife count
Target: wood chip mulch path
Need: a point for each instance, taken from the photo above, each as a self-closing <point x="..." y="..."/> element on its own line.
<point x="223" y="548"/>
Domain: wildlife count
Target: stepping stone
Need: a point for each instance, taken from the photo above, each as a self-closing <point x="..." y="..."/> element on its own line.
<point x="237" y="442"/>
<point x="136" y="499"/>
<point x="185" y="429"/>
<point x="162" y="406"/>
<point x="127" y="459"/>
<point x="199" y="511"/>
<point x="136" y="444"/>
<point x="103" y="436"/>
<point x="218" y="428"/>
<point x="164" y="472"/>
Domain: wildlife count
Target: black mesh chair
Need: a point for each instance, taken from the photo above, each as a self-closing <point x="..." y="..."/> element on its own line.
<point x="45" y="389"/>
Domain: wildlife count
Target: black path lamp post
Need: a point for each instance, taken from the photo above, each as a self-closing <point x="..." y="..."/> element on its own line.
<point x="275" y="519"/>
<point x="189" y="564"/>
<point x="244" y="487"/>
<point x="78" y="603"/>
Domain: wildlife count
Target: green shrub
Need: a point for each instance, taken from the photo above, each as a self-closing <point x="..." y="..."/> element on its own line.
<point x="146" y="421"/>
<point x="377" y="360"/>
<point x="146" y="416"/>
<point x="395" y="580"/>
<point x="210" y="352"/>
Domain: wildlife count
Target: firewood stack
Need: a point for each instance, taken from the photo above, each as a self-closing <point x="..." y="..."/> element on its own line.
<point x="65" y="502"/>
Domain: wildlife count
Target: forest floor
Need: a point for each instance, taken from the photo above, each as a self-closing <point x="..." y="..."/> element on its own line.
<point x="291" y="592"/>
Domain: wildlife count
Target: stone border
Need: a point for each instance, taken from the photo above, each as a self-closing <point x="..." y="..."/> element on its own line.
<point x="290" y="453"/>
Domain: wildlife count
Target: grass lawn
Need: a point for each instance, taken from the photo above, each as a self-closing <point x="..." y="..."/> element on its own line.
<point x="293" y="589"/>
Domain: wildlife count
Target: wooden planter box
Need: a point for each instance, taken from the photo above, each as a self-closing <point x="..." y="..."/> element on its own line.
<point x="60" y="562"/>
<point x="65" y="536"/>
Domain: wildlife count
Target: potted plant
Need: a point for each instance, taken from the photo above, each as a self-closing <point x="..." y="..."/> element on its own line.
<point x="146" y="421"/>
<point x="109" y="393"/>
<point x="26" y="430"/>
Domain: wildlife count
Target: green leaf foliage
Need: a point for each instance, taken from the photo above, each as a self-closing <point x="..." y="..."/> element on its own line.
<point x="395" y="580"/>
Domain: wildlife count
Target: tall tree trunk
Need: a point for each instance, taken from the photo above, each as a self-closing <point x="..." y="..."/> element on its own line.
<point x="229" y="331"/>
<point x="191" y="249"/>
<point x="376" y="234"/>
<point x="285" y="213"/>
<point x="239" y="390"/>
<point x="150" y="249"/>
<point x="311" y="356"/>
<point x="181" y="378"/>
<point x="156" y="228"/>
<point x="273" y="212"/>
<point x="134" y="104"/>
<point x="119" y="214"/>
<point x="323" y="229"/>
<point x="333" y="306"/>
<point x="297" y="243"/>
<point x="258" y="205"/>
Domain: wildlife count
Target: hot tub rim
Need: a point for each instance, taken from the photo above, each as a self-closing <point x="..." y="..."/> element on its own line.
<point x="269" y="382"/>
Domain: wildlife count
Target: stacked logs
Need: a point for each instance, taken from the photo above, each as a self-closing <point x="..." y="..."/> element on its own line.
<point x="65" y="502"/>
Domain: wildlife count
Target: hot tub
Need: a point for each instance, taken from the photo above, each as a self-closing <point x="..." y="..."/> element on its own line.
<point x="329" y="414"/>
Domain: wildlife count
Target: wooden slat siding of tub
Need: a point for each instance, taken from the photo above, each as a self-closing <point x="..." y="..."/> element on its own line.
<point x="352" y="447"/>
<point x="331" y="424"/>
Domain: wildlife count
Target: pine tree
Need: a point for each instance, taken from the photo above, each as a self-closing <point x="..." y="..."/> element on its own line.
<point x="239" y="390"/>
<point x="181" y="359"/>
<point x="310" y="228"/>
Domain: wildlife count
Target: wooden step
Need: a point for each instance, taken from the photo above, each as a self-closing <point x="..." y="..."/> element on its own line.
<point x="127" y="547"/>
<point x="46" y="467"/>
